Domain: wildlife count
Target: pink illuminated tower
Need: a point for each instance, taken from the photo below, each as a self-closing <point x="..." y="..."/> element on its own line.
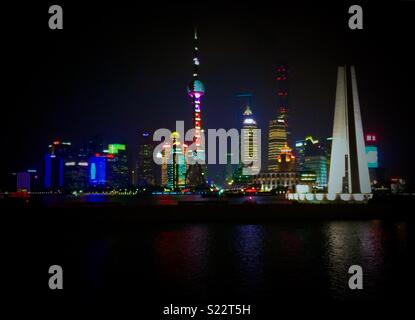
<point x="196" y="89"/>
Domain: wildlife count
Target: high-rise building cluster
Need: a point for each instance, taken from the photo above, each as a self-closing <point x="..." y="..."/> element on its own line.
<point x="300" y="166"/>
<point x="69" y="169"/>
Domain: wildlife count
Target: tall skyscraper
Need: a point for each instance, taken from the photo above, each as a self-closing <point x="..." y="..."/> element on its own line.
<point x="117" y="166"/>
<point x="349" y="171"/>
<point x="174" y="164"/>
<point x="250" y="144"/>
<point x="145" y="170"/>
<point x="195" y="90"/>
<point x="58" y="153"/>
<point x="312" y="158"/>
<point x="98" y="171"/>
<point x="278" y="131"/>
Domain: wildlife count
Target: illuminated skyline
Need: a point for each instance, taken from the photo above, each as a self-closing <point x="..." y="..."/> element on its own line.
<point x="125" y="79"/>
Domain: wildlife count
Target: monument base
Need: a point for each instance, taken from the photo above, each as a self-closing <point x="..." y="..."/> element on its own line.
<point x="330" y="198"/>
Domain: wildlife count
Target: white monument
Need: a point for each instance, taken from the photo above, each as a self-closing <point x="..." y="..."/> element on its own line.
<point x="349" y="172"/>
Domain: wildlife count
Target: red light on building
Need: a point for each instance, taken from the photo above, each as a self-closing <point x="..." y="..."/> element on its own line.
<point x="56" y="142"/>
<point x="97" y="154"/>
<point x="370" y="138"/>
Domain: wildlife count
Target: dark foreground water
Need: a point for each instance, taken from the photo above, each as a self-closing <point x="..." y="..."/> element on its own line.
<point x="232" y="262"/>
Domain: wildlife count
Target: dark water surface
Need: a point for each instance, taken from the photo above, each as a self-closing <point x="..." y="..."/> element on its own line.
<point x="231" y="262"/>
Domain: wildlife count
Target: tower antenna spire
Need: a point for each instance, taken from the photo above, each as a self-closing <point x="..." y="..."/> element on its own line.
<point x="195" y="56"/>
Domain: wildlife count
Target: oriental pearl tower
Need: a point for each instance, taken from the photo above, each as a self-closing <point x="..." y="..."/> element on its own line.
<point x="196" y="172"/>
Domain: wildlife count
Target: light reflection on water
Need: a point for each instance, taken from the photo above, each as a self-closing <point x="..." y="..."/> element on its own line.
<point x="254" y="260"/>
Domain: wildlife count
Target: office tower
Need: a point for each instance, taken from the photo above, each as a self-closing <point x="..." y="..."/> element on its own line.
<point x="98" y="171"/>
<point x="76" y="175"/>
<point x="118" y="176"/>
<point x="278" y="131"/>
<point x="299" y="152"/>
<point x="312" y="156"/>
<point x="173" y="165"/>
<point x="249" y="149"/>
<point x="376" y="172"/>
<point x="58" y="153"/>
<point x="23" y="182"/>
<point x="164" y="155"/>
<point x="371" y="150"/>
<point x="318" y="165"/>
<point x="145" y="170"/>
<point x="286" y="160"/>
<point x="349" y="171"/>
<point x="196" y="89"/>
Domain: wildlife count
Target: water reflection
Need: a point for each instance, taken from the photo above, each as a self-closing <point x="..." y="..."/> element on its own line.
<point x="365" y="243"/>
<point x="181" y="257"/>
<point x="295" y="260"/>
<point x="248" y="246"/>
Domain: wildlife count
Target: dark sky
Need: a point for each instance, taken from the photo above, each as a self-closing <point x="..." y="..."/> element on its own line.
<point x="118" y="68"/>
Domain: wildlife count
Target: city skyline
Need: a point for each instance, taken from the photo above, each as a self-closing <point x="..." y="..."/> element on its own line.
<point x="115" y="106"/>
<point x="215" y="157"/>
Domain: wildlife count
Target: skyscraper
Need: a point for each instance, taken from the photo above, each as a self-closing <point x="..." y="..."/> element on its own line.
<point x="76" y="175"/>
<point x="278" y="132"/>
<point x="145" y="169"/>
<point x="249" y="151"/>
<point x="195" y="90"/>
<point x="174" y="164"/>
<point x="312" y="158"/>
<point x="349" y="171"/>
<point x="117" y="166"/>
<point x="58" y="153"/>
<point x="98" y="171"/>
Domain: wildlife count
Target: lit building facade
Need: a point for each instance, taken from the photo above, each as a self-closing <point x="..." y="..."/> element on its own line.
<point x="145" y="170"/>
<point x="314" y="159"/>
<point x="118" y="176"/>
<point x="58" y="153"/>
<point x="286" y="160"/>
<point x="278" y="130"/>
<point x="277" y="181"/>
<point x="76" y="175"/>
<point x="250" y="143"/>
<point x="98" y="171"/>
<point x="376" y="172"/>
<point x="174" y="165"/>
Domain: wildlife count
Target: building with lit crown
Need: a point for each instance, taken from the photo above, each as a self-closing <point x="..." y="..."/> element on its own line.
<point x="173" y="164"/>
<point x="145" y="169"/>
<point x="278" y="130"/>
<point x="286" y="160"/>
<point x="250" y="144"/>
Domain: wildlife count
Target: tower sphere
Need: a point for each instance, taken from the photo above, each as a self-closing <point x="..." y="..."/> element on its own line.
<point x="196" y="86"/>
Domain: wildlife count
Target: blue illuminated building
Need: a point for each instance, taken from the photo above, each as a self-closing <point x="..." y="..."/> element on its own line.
<point x="97" y="170"/>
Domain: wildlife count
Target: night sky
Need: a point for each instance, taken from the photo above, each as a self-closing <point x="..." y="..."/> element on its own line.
<point x="118" y="68"/>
